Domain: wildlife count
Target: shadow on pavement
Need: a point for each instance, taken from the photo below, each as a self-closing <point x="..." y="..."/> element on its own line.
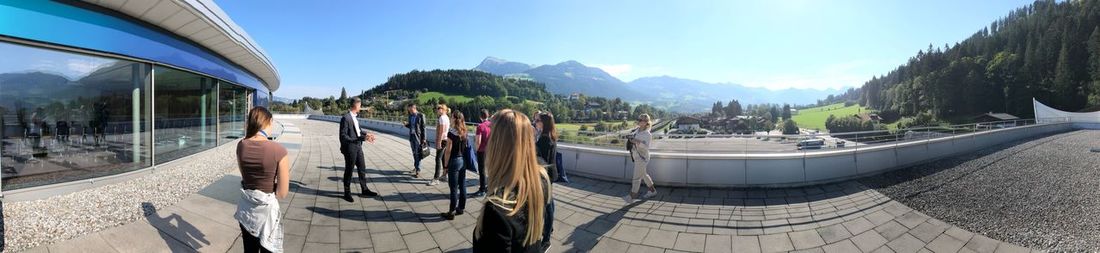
<point x="191" y="236"/>
<point x="2" y="232"/>
<point x="584" y="236"/>
<point x="395" y="215"/>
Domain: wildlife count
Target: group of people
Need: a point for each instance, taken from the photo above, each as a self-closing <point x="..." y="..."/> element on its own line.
<point x="516" y="160"/>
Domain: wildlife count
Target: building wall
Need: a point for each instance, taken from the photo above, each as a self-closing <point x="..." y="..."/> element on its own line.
<point x="87" y="93"/>
<point x="771" y="169"/>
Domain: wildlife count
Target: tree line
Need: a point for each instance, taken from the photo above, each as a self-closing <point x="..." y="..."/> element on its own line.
<point x="485" y="91"/>
<point x="1048" y="50"/>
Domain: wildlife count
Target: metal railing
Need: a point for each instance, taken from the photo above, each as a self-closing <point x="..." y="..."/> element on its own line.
<point x="767" y="142"/>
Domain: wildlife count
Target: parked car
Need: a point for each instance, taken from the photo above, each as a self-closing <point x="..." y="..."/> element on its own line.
<point x="816" y="143"/>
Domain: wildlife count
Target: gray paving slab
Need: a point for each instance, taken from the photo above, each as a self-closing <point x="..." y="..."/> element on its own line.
<point x="844" y="217"/>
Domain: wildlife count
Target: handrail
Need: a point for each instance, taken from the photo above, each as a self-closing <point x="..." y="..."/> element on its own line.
<point x="778" y="142"/>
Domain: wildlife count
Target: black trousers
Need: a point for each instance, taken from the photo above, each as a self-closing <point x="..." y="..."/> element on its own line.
<point x="439" y="170"/>
<point x="481" y="171"/>
<point x="251" y="243"/>
<point x="354" y="160"/>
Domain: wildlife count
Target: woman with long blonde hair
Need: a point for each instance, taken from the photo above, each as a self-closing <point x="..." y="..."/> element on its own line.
<point x="515" y="215"/>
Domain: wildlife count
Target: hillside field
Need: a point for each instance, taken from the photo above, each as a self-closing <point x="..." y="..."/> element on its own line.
<point x="424" y="97"/>
<point x="814" y="118"/>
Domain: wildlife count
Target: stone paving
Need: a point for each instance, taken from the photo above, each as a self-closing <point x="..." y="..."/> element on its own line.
<point x="591" y="216"/>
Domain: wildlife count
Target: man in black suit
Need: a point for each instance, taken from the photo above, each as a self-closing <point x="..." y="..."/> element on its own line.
<point x="351" y="145"/>
<point x="415" y="124"/>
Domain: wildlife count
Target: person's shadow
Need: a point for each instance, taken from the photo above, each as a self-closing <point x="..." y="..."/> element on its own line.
<point x="187" y="233"/>
<point x="2" y="233"/>
<point x="594" y="229"/>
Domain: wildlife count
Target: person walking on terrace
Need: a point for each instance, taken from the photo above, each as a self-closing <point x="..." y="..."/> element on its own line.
<point x="265" y="178"/>
<point x="415" y="124"/>
<point x="443" y="125"/>
<point x="547" y="142"/>
<point x="515" y="214"/>
<point x="481" y="139"/>
<point x="455" y="150"/>
<point x="639" y="152"/>
<point x="351" y="146"/>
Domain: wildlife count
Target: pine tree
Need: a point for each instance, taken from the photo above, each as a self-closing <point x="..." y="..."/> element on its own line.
<point x="1094" y="67"/>
<point x="1064" y="85"/>
<point x="786" y="112"/>
<point x="343" y="94"/>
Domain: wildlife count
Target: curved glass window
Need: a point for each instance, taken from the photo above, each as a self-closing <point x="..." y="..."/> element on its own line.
<point x="185" y="106"/>
<point x="233" y="107"/>
<point x="68" y="116"/>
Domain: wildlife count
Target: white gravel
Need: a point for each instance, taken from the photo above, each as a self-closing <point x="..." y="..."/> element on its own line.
<point x="1042" y="193"/>
<point x="41" y="222"/>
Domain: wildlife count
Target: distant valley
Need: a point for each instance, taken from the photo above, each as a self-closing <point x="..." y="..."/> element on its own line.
<point x="671" y="93"/>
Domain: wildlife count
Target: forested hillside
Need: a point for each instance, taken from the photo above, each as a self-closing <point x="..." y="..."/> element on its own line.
<point x="1048" y="50"/>
<point x="465" y="82"/>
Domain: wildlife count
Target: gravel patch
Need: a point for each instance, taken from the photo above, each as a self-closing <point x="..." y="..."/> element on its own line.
<point x="1042" y="193"/>
<point x="41" y="222"/>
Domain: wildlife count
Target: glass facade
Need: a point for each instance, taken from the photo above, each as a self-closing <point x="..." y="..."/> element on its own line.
<point x="184" y="111"/>
<point x="234" y="104"/>
<point x="68" y="116"/>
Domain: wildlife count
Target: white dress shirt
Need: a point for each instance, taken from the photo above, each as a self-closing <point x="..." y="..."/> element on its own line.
<point x="355" y="120"/>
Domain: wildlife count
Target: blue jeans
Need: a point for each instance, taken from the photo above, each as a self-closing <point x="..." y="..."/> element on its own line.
<point x="548" y="221"/>
<point x="456" y="180"/>
<point x="416" y="152"/>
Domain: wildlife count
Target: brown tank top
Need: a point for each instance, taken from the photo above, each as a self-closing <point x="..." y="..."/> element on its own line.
<point x="258" y="161"/>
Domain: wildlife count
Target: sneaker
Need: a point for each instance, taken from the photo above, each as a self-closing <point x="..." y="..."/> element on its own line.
<point x="448" y="216"/>
<point x="628" y="199"/>
<point x="368" y="194"/>
<point x="348" y="198"/>
<point x="433" y="182"/>
<point x="650" y="194"/>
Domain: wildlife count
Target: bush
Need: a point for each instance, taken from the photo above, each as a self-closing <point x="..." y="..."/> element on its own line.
<point x="848" y="124"/>
<point x="920" y="120"/>
<point x="788" y="127"/>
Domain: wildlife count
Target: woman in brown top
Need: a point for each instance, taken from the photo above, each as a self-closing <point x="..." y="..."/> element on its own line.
<point x="265" y="178"/>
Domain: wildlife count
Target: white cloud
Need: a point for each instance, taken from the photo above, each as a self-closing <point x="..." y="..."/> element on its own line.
<point x="82" y="66"/>
<point x="616" y="70"/>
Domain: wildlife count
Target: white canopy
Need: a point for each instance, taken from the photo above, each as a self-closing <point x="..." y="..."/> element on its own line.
<point x="1044" y="113"/>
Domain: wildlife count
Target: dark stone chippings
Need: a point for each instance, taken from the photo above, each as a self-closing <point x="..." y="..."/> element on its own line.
<point x="1042" y="193"/>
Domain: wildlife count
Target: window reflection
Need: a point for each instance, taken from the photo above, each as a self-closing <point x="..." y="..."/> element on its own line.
<point x="184" y="111"/>
<point x="68" y="116"/>
<point x="231" y="110"/>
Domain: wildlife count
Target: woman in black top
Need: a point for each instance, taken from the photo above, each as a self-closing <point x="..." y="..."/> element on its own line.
<point x="547" y="144"/>
<point x="514" y="216"/>
<point x="455" y="149"/>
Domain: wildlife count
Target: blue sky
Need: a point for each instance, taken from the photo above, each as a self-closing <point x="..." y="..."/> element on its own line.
<point x="320" y="46"/>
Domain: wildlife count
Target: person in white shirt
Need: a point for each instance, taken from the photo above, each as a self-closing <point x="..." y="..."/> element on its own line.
<point x="442" y="126"/>
<point x="640" y="154"/>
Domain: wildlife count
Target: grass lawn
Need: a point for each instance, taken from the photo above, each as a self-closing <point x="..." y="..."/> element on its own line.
<point x="573" y="127"/>
<point x="424" y="97"/>
<point x="814" y="118"/>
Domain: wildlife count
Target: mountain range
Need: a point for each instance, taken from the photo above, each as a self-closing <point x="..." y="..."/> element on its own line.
<point x="671" y="93"/>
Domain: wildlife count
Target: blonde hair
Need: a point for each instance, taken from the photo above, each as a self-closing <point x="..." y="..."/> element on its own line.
<point x="444" y="107"/>
<point x="648" y="121"/>
<point x="514" y="174"/>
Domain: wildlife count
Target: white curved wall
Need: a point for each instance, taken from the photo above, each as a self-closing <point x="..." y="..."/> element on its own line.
<point x="768" y="170"/>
